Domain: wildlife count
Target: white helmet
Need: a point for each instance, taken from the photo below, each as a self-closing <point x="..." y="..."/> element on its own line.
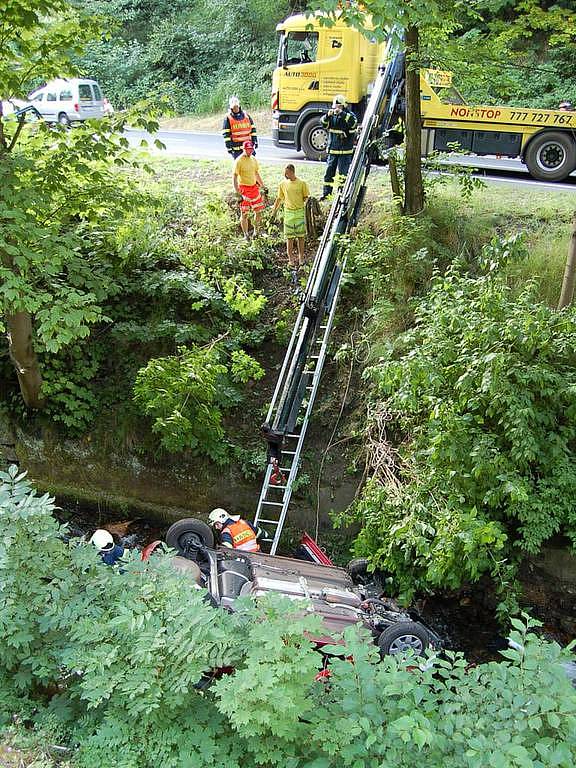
<point x="218" y="515"/>
<point x="233" y="101"/>
<point x="339" y="99"/>
<point x="102" y="540"/>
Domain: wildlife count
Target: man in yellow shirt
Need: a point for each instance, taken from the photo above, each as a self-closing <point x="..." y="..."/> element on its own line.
<point x="292" y="194"/>
<point x="248" y="183"/>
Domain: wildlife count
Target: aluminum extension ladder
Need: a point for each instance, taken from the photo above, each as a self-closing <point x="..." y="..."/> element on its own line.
<point x="297" y="386"/>
<point x="275" y="496"/>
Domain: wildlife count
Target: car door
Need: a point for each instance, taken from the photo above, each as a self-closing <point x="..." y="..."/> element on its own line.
<point x="50" y="106"/>
<point x="66" y="103"/>
<point x="86" y="102"/>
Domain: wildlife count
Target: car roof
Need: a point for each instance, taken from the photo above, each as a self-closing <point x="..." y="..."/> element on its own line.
<point x="61" y="81"/>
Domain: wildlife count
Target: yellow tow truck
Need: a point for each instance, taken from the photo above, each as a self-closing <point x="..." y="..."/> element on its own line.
<point x="316" y="62"/>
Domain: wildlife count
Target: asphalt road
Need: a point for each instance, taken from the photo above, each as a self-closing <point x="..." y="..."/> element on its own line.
<point x="209" y="146"/>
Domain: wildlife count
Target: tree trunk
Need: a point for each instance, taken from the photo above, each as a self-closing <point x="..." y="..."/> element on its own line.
<point x="567" y="292"/>
<point x="413" y="186"/>
<point x="24" y="358"/>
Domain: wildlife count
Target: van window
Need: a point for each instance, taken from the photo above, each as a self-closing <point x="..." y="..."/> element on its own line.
<point x="65" y="95"/>
<point x="38" y="97"/>
<point x="85" y="92"/>
<point x="50" y="97"/>
<point x="97" y="92"/>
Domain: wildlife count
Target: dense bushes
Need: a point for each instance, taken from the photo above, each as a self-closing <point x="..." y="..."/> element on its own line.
<point x="198" y="53"/>
<point x="473" y="430"/>
<point x="195" y="54"/>
<point x="105" y="661"/>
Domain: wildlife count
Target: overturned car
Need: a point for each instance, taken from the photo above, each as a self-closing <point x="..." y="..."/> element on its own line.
<point x="340" y="596"/>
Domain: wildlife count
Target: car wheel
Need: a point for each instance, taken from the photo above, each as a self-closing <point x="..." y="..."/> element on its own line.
<point x="189" y="534"/>
<point x="314" y="139"/>
<point x="404" y="636"/>
<point x="358" y="569"/>
<point x="63" y="119"/>
<point x="551" y="156"/>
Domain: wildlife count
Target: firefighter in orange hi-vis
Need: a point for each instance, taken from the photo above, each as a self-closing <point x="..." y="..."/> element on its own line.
<point x="235" y="532"/>
<point x="248" y="185"/>
<point x="237" y="128"/>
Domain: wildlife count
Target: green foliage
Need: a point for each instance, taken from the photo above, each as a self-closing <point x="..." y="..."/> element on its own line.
<point x="480" y="397"/>
<point x="443" y="714"/>
<point x="176" y="50"/>
<point x="107" y="661"/>
<point x="68" y="386"/>
<point x="244" y="368"/>
<point x="186" y="395"/>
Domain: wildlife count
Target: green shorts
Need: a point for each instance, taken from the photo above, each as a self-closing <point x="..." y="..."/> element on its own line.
<point x="294" y="223"/>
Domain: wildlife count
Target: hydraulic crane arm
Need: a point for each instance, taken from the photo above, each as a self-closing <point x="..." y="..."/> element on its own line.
<point x="289" y="413"/>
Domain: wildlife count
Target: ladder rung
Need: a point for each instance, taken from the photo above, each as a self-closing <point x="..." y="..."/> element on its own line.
<point x="292" y="435"/>
<point x="277" y="487"/>
<point x="289" y="453"/>
<point x="285" y="469"/>
<point x="273" y="503"/>
<point x="269" y="522"/>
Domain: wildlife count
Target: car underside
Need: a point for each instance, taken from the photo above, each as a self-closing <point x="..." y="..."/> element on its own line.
<point x="341" y="597"/>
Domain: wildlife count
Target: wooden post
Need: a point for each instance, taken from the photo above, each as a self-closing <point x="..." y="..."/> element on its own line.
<point x="567" y="293"/>
<point x="395" y="183"/>
<point x="413" y="184"/>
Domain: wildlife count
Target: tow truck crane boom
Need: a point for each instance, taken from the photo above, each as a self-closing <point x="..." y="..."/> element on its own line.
<point x="293" y="399"/>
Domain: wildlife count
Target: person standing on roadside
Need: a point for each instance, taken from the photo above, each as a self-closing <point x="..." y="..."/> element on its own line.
<point x="247" y="184"/>
<point x="341" y="124"/>
<point x="237" y="128"/>
<point x="292" y="194"/>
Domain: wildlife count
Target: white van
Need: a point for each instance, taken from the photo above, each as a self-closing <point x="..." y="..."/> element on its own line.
<point x="68" y="101"/>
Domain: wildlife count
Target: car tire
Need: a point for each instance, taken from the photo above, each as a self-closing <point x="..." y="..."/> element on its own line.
<point x="189" y="533"/>
<point x="358" y="569"/>
<point x="551" y="156"/>
<point x="64" y="120"/>
<point x="404" y="636"/>
<point x="314" y="139"/>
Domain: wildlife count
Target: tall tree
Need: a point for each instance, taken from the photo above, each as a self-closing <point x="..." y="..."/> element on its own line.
<point x="432" y="19"/>
<point x="53" y="184"/>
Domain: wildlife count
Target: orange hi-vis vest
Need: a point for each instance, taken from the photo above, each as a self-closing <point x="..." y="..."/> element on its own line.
<point x="243" y="537"/>
<point x="240" y="130"/>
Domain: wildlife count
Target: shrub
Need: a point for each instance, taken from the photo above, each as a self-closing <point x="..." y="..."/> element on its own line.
<point x="480" y="397"/>
<point x="115" y="660"/>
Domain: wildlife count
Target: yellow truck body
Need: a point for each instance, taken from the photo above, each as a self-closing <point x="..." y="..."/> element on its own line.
<point x="316" y="62"/>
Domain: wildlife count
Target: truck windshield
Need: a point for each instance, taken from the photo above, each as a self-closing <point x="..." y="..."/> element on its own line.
<point x="297" y="48"/>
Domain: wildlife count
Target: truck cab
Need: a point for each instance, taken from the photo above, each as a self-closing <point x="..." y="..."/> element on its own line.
<point x="316" y="62"/>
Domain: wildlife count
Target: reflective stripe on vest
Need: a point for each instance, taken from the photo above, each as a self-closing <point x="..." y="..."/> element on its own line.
<point x="240" y="130"/>
<point x="243" y="537"/>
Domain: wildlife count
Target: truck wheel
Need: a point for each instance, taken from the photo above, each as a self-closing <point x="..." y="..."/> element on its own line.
<point x="314" y="139"/>
<point x="551" y="156"/>
<point x="404" y="636"/>
<point x="63" y="119"/>
<point x="188" y="534"/>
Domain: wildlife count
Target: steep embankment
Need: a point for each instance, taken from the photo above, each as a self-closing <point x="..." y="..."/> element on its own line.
<point x="158" y="412"/>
